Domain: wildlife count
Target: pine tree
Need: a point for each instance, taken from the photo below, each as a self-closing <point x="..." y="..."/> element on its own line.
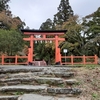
<point x="64" y="12"/>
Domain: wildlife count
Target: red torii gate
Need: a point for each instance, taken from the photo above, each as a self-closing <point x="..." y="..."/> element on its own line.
<point x="44" y="34"/>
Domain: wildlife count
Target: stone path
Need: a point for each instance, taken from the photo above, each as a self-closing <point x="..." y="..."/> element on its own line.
<point x="37" y="83"/>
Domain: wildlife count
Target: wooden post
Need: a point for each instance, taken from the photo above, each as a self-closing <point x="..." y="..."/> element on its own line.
<point x="29" y="55"/>
<point x="84" y="61"/>
<point x="31" y="48"/>
<point x="96" y="59"/>
<point x="44" y="36"/>
<point x="72" y="60"/>
<point x="59" y="55"/>
<point x="56" y="49"/>
<point x="16" y="57"/>
<point x="2" y="59"/>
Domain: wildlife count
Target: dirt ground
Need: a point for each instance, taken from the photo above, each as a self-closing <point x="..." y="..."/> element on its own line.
<point x="89" y="82"/>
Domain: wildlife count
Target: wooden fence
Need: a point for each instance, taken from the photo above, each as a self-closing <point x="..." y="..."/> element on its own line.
<point x="71" y="60"/>
<point x="13" y="60"/>
<point x="65" y="60"/>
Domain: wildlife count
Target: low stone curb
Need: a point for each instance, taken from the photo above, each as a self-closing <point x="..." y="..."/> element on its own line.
<point x="38" y="80"/>
<point x="64" y="91"/>
<point x="9" y="97"/>
<point x="24" y="88"/>
<point x="40" y="89"/>
<point x="32" y="69"/>
<point x="30" y="74"/>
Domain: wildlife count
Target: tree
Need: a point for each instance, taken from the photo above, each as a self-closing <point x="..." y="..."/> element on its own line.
<point x="46" y="53"/>
<point x="4" y="5"/>
<point x="48" y="25"/>
<point x="64" y="12"/>
<point x="93" y="46"/>
<point x="10" y="42"/>
<point x="9" y="22"/>
<point x="75" y="41"/>
<point x="92" y="24"/>
<point x="62" y="16"/>
<point x="92" y="31"/>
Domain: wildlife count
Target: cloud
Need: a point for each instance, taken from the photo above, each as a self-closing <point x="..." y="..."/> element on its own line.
<point x="35" y="12"/>
<point x="84" y="7"/>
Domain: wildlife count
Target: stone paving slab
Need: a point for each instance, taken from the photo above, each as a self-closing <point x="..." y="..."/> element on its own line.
<point x="23" y="75"/>
<point x="74" y="91"/>
<point x="26" y="88"/>
<point x="40" y="88"/>
<point x="70" y="81"/>
<point x="31" y="78"/>
<point x="62" y="74"/>
<point x="36" y="79"/>
<point x="16" y="68"/>
<point x="9" y="97"/>
<point x="32" y="74"/>
<point x="49" y="80"/>
<point x="40" y="97"/>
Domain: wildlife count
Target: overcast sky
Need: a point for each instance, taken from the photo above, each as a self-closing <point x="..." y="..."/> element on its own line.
<point x="35" y="12"/>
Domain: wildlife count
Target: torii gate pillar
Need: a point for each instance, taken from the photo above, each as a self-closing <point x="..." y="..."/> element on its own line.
<point x="57" y="50"/>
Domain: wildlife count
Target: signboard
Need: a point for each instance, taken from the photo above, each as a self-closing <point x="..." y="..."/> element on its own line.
<point x="65" y="50"/>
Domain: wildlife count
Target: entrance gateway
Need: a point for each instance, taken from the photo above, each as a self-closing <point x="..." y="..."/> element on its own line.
<point x="44" y="37"/>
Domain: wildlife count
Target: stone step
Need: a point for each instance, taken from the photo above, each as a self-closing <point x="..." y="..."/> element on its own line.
<point x="44" y="97"/>
<point x="55" y="81"/>
<point x="63" y="74"/>
<point x="9" y="97"/>
<point x="37" y="80"/>
<point x="19" y="69"/>
<point x="32" y="74"/>
<point x="56" y="90"/>
<point x="23" y="88"/>
<point x="16" y="69"/>
<point x="41" y="89"/>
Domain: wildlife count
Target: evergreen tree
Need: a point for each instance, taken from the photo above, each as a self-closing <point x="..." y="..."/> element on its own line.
<point x="48" y="25"/>
<point x="47" y="51"/>
<point x="92" y="32"/>
<point x="4" y="5"/>
<point x="92" y="24"/>
<point x="64" y="12"/>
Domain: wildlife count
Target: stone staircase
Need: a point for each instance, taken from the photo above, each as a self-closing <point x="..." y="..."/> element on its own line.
<point x="38" y="83"/>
